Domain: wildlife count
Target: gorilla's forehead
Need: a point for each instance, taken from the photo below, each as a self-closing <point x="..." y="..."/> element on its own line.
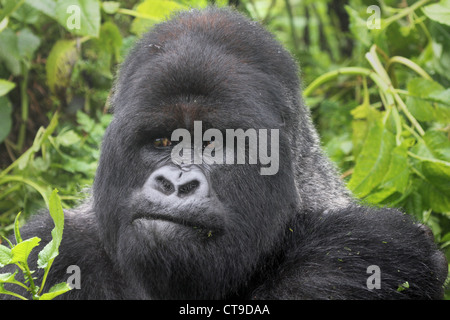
<point x="177" y="91"/>
<point x="166" y="118"/>
<point x="210" y="71"/>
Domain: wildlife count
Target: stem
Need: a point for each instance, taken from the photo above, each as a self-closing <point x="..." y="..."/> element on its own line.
<point x="24" y="109"/>
<point x="372" y="57"/>
<point x="17" y="6"/>
<point x="404" y="12"/>
<point x="411" y="130"/>
<point x="45" y="276"/>
<point x="29" y="276"/>
<point x="412" y="155"/>
<point x="31" y="183"/>
<point x="398" y="126"/>
<point x="405" y="110"/>
<point x="40" y="137"/>
<point x="344" y="71"/>
<point x="409" y="64"/>
<point x="14" y="295"/>
<point x="21" y="284"/>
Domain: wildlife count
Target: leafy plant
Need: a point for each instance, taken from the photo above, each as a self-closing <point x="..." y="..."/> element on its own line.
<point x="379" y="97"/>
<point x="18" y="255"/>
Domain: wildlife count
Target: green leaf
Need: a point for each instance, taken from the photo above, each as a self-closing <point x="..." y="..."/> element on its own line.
<point x="431" y="157"/>
<point x="27" y="43"/>
<point x="439" y="12"/>
<point x="5" y="117"/>
<point x="26" y="14"/>
<point x="396" y="178"/>
<point x="403" y="286"/>
<point x="358" y="27"/>
<point x="6" y="86"/>
<point x="80" y="17"/>
<point x="8" y="277"/>
<point x="110" y="7"/>
<point x="47" y="7"/>
<point x="55" y="291"/>
<point x="437" y="191"/>
<point x="373" y="162"/>
<point x="50" y="251"/>
<point x="16" y="228"/>
<point x="60" y="63"/>
<point x="22" y="250"/>
<point x="9" y="51"/>
<point x="435" y="145"/>
<point x="17" y="47"/>
<point x="155" y="11"/>
<point x="8" y="7"/>
<point x="428" y="101"/>
<point x="5" y="256"/>
<point x="40" y="137"/>
<point x="68" y="138"/>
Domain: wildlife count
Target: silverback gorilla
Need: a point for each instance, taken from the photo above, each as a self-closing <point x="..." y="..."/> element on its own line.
<point x="155" y="229"/>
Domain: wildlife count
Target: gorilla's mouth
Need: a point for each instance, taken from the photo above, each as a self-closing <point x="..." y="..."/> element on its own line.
<point x="194" y="224"/>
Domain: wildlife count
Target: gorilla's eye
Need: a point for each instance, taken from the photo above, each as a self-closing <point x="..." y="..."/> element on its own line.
<point x="162" y="143"/>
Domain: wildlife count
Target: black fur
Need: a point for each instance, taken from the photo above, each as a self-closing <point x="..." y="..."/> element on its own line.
<point x="294" y="235"/>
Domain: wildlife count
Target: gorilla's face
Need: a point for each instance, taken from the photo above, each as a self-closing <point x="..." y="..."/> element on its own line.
<point x="191" y="230"/>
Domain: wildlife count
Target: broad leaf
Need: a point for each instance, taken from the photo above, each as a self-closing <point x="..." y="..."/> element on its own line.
<point x="55" y="291"/>
<point x="50" y="251"/>
<point x="6" y="86"/>
<point x="22" y="250"/>
<point x="439" y="12"/>
<point x="60" y="62"/>
<point x="5" y="117"/>
<point x="27" y="43"/>
<point x="154" y="11"/>
<point x="110" y="7"/>
<point x="81" y="17"/>
<point x="437" y="189"/>
<point x="5" y="256"/>
<point x="8" y="277"/>
<point x="45" y="6"/>
<point x="396" y="178"/>
<point x="429" y="101"/>
<point x="373" y="162"/>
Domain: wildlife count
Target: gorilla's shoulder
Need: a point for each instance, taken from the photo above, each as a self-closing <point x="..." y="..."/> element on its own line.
<point x="329" y="256"/>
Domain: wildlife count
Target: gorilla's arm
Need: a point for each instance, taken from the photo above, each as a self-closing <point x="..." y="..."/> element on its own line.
<point x="328" y="256"/>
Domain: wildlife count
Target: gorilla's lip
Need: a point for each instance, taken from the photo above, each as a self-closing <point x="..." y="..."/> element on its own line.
<point x="174" y="219"/>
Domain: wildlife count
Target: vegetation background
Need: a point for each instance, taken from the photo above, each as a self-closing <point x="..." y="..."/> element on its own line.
<point x="375" y="75"/>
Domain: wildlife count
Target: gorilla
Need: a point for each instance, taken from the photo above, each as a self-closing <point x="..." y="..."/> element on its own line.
<point x="154" y="228"/>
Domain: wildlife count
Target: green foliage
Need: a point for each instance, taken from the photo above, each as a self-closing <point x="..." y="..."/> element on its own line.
<point x="379" y="96"/>
<point x="387" y="120"/>
<point x="439" y="12"/>
<point x="18" y="255"/>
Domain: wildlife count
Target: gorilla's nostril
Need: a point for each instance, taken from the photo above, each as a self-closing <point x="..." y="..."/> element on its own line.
<point x="188" y="188"/>
<point x="165" y="186"/>
<point x="169" y="182"/>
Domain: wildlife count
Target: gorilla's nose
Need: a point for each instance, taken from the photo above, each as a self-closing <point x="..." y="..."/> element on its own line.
<point x="182" y="182"/>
